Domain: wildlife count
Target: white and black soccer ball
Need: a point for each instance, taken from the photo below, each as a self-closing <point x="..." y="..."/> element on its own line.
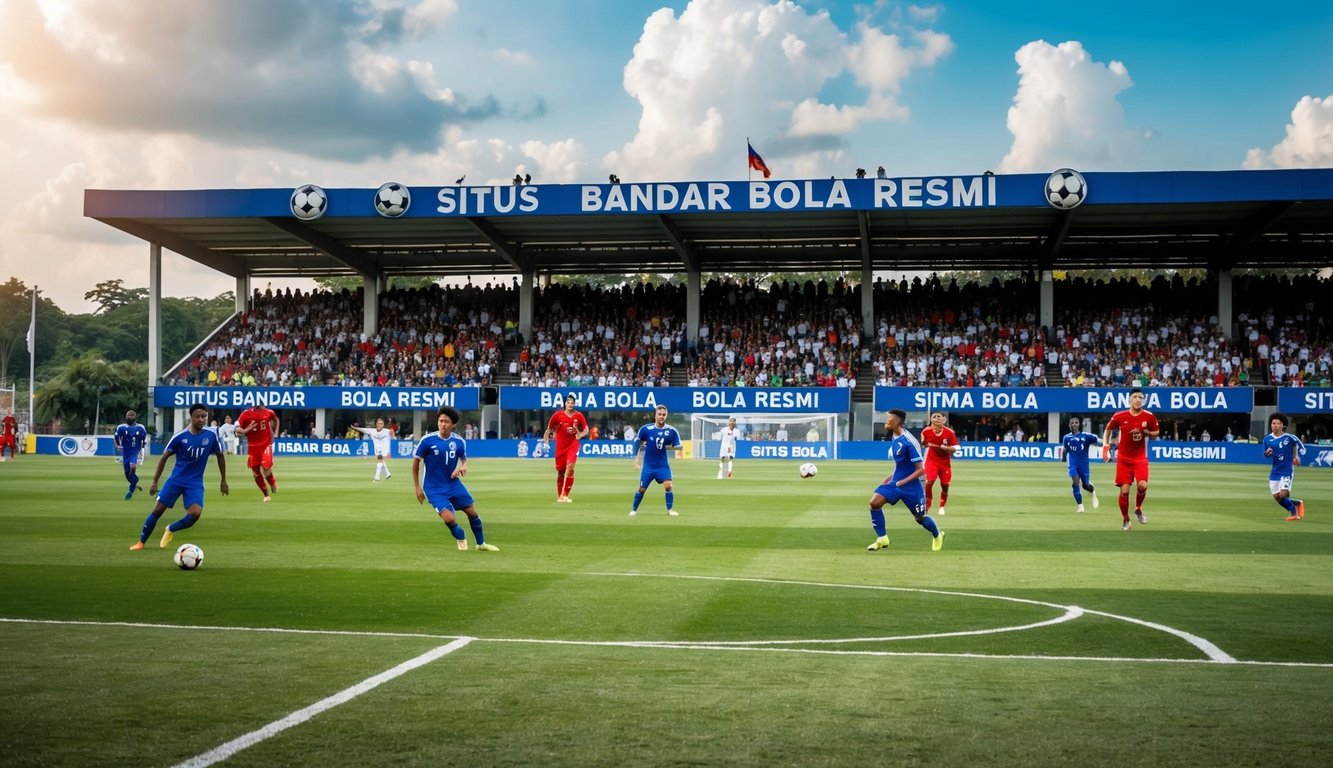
<point x="309" y="202"/>
<point x="809" y="470"/>
<point x="1066" y="189"/>
<point x="188" y="557"/>
<point x="392" y="200"/>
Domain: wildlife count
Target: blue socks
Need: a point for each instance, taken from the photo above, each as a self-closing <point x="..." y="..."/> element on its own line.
<point x="457" y="531"/>
<point x="149" y="524"/>
<point x="183" y="523"/>
<point x="928" y="523"/>
<point x="638" y="497"/>
<point x="475" y="523"/>
<point x="877" y="522"/>
<point x="670" y="499"/>
<point x="1078" y="495"/>
<point x="1288" y="504"/>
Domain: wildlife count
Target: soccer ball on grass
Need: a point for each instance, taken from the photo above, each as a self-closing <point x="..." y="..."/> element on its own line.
<point x="809" y="470"/>
<point x="188" y="557"/>
<point x="392" y="200"/>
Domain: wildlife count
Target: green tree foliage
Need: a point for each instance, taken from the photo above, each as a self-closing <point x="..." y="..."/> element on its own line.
<point x="111" y="294"/>
<point x="15" y="316"/>
<point x="89" y="388"/>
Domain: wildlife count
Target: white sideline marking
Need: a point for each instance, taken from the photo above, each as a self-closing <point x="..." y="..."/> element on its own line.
<point x="684" y="646"/>
<point x="224" y="751"/>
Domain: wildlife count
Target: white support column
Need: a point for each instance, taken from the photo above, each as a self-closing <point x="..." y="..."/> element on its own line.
<point x="321" y="419"/>
<point x="370" y="304"/>
<point x="1224" y="300"/>
<point x="156" y="417"/>
<point x="525" y="291"/>
<point x="1047" y="317"/>
<point x="242" y="293"/>
<point x="693" y="287"/>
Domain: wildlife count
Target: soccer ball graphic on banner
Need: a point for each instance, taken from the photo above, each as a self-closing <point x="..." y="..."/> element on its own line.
<point x="309" y="202"/>
<point x="1066" y="189"/>
<point x="809" y="470"/>
<point x="188" y="557"/>
<point x="392" y="200"/>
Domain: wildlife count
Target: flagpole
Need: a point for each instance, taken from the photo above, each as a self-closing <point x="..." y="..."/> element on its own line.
<point x="32" y="358"/>
<point x="749" y="169"/>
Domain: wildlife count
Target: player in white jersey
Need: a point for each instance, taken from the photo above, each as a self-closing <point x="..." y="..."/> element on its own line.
<point x="727" y="453"/>
<point x="381" y="438"/>
<point x="230" y="442"/>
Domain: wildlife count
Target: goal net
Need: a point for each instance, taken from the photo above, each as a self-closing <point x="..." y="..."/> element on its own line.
<point x="768" y="435"/>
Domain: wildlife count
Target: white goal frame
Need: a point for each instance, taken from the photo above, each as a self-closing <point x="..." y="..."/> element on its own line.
<point x="706" y="429"/>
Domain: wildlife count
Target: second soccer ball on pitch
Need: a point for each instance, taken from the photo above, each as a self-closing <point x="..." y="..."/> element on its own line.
<point x="188" y="557"/>
<point x="809" y="470"/>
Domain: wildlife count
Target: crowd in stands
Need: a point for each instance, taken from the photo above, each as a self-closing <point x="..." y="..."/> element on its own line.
<point x="927" y="333"/>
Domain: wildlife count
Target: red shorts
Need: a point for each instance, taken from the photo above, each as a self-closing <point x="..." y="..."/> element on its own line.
<point x="943" y="473"/>
<point x="566" y="458"/>
<point x="7" y="441"/>
<point x="1126" y="472"/>
<point x="260" y="457"/>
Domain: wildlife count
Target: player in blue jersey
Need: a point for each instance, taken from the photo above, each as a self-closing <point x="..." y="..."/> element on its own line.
<point x="191" y="446"/>
<point x="654" y="442"/>
<point x="445" y="457"/>
<point x="1284" y="450"/>
<point x="130" y="438"/>
<point x="903" y="485"/>
<point x="1077" y="443"/>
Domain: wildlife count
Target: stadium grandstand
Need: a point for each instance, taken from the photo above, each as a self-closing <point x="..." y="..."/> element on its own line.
<point x="1262" y="241"/>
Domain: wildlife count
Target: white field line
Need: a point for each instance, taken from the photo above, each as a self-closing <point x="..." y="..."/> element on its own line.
<point x="1210" y="650"/>
<point x="658" y="644"/>
<point x="224" y="751"/>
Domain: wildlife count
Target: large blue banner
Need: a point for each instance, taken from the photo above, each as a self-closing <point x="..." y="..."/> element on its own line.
<point x="339" y="398"/>
<point x="810" y="195"/>
<point x="682" y="399"/>
<point x="1064" y="399"/>
<point x="1304" y="400"/>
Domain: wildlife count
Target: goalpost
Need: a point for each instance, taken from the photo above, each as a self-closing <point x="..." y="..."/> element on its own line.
<point x="779" y="435"/>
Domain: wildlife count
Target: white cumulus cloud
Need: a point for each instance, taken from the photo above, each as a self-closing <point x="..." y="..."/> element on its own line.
<point x="1066" y="111"/>
<point x="1309" y="140"/>
<point x="725" y="70"/>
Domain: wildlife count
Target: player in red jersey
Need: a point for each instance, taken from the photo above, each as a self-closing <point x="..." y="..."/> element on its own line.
<point x="258" y="425"/>
<point x="1131" y="461"/>
<point x="9" y="436"/>
<point x="940" y="444"/>
<point x="568" y="426"/>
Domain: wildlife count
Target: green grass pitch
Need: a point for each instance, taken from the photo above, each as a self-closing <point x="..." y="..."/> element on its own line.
<point x="752" y="630"/>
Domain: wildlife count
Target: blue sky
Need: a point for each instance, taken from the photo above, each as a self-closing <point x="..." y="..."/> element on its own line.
<point x="145" y="94"/>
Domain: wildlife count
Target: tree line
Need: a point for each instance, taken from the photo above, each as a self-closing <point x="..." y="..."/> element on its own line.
<point x="93" y="367"/>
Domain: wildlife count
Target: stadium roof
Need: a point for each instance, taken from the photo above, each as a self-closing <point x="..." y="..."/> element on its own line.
<point x="1221" y="219"/>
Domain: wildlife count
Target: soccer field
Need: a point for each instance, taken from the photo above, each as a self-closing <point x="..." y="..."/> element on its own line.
<point x="340" y="626"/>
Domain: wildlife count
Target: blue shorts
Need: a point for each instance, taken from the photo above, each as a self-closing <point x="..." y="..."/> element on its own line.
<point x="1082" y="473"/>
<point x="452" y="499"/>
<point x="194" y="494"/>
<point x="132" y="458"/>
<point x="912" y="495"/>
<point x="651" y="474"/>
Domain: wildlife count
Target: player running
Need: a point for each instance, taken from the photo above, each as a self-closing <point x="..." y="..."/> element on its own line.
<point x="940" y="444"/>
<point x="258" y="425"/>
<point x="654" y="442"/>
<point x="1285" y="450"/>
<point x="445" y="457"/>
<point x="130" y="438"/>
<point x="380" y="438"/>
<point x="568" y="426"/>
<point x="903" y="485"/>
<point x="191" y="446"/>
<point x="1076" y="443"/>
<point x="1135" y="426"/>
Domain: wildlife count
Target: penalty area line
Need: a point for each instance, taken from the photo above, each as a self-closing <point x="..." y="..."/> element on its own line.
<point x="224" y="751"/>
